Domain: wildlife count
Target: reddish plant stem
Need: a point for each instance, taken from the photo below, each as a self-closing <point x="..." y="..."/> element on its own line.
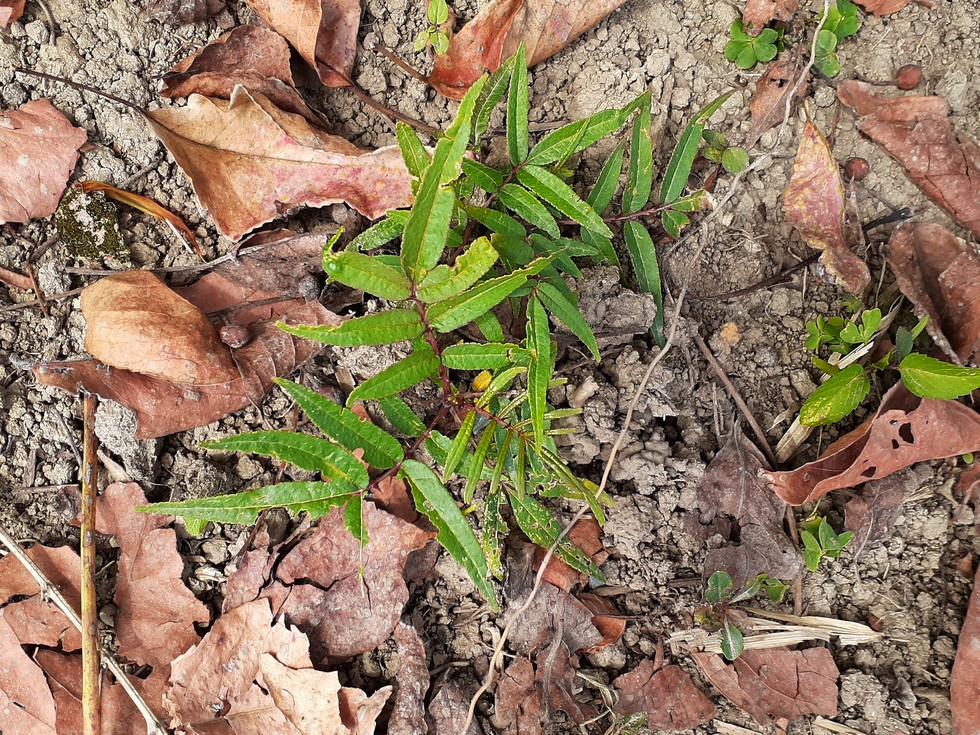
<point x="401" y="63"/>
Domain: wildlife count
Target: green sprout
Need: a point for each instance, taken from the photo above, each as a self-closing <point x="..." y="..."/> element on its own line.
<point x="746" y="51"/>
<point x="435" y="34"/>
<point x="821" y="540"/>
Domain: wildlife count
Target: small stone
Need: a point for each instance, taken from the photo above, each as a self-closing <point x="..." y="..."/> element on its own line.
<point x="908" y="77"/>
<point x="856" y="169"/>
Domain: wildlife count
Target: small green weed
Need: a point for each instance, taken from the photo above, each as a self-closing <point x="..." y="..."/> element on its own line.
<point x="821" y="540"/>
<point x="718" y="616"/>
<point x="437" y="13"/>
<point x="746" y="51"/>
<point x="734" y="159"/>
<point x="842" y="21"/>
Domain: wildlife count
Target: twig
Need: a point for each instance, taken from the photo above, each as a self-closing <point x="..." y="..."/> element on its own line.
<point x="401" y="63"/>
<point x="91" y="706"/>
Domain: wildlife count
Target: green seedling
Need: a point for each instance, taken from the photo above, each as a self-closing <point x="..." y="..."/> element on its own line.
<point x="436" y="34"/>
<point x="842" y="21"/>
<point x="821" y="540"/>
<point x="734" y="159"/>
<point x="718" y="616"/>
<point x="746" y="51"/>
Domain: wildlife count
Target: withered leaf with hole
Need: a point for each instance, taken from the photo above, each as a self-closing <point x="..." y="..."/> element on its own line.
<point x="906" y="429"/>
<point x="776" y="682"/>
<point x="668" y="696"/>
<point x="250" y="162"/>
<point x="917" y="133"/>
<point x="940" y="275"/>
<point x="412" y="682"/>
<point x="964" y="691"/>
<point x="38" y="151"/>
<point x="872" y="514"/>
<point x="734" y="485"/>
<point x="813" y="202"/>
<point x="772" y="90"/>
<point x="10" y="11"/>
<point x="757" y="13"/>
<point x="501" y="26"/>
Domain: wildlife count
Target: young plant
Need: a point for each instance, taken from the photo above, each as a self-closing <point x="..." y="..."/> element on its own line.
<point x="821" y="540"/>
<point x="436" y="34"/>
<point x="719" y="616"/>
<point x="734" y="159"/>
<point x="842" y="21"/>
<point x="746" y="51"/>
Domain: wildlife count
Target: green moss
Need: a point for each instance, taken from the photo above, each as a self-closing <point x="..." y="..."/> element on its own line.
<point x="88" y="226"/>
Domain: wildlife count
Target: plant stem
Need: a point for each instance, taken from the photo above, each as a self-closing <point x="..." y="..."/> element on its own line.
<point x="91" y="706"/>
<point x="401" y="63"/>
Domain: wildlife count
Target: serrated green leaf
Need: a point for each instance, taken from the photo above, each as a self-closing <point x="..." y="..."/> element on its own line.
<point x="541" y="368"/>
<point x="500" y="382"/>
<point x="384" y="231"/>
<point x="679" y="168"/>
<point x="479" y="460"/>
<point x="492" y="93"/>
<point x="307" y="452"/>
<point x="455" y="453"/>
<point x="471" y="265"/>
<point x="383" y="328"/>
<point x="542" y="529"/>
<point x="569" y="139"/>
<point x="493" y="528"/>
<point x="401" y="416"/>
<point x="497" y="222"/>
<point x="454" y="532"/>
<point x="560" y="195"/>
<point x="836" y="398"/>
<point x="639" y="179"/>
<point x="381" y="450"/>
<point x="605" y="186"/>
<point x="524" y="204"/>
<point x="568" y="314"/>
<point x="488" y="179"/>
<point x="439" y="446"/>
<point x="470" y="356"/>
<point x="489" y="326"/>
<point x="574" y="487"/>
<point x="931" y="378"/>
<point x="732" y="641"/>
<point x="420" y="365"/>
<point x="643" y="253"/>
<point x="354" y="519"/>
<point x="367" y="273"/>
<point x="517" y="104"/>
<point x="413" y="152"/>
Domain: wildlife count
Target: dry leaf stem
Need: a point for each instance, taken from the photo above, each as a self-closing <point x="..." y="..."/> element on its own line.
<point x="91" y="705"/>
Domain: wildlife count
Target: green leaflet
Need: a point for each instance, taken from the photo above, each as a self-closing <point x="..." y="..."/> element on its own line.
<point x="420" y="365"/>
<point x="517" y="103"/>
<point x="599" y="198"/>
<point x="444" y="282"/>
<point x="569" y="315"/>
<point x="520" y="201"/>
<point x="836" y="398"/>
<point x="732" y="641"/>
<point x="489" y="327"/>
<point x="416" y="159"/>
<point x="497" y="222"/>
<point x="314" y="498"/>
<point x="639" y="180"/>
<point x="306" y="452"/>
<point x="492" y="93"/>
<point x="501" y="381"/>
<point x="541" y="368"/>
<point x="439" y="446"/>
<point x="455" y="453"/>
<point x="383" y="328"/>
<point x="569" y="139"/>
<point x="382" y="232"/>
<point x="367" y="273"/>
<point x="401" y="416"/>
<point x="479" y="460"/>
<point x="488" y="179"/>
<point x="454" y="532"/>
<point x="469" y="356"/>
<point x="931" y="378"/>
<point x="493" y="523"/>
<point x="354" y="519"/>
<point x="559" y="195"/>
<point x="679" y="168"/>
<point x="542" y="529"/>
<point x="674" y="221"/>
<point x="643" y="253"/>
<point x="381" y="450"/>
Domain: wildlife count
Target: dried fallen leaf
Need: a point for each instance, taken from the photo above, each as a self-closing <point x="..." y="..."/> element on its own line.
<point x="964" y="690"/>
<point x="38" y="150"/>
<point x="776" y="682"/>
<point x="758" y="13"/>
<point x="605" y="617"/>
<point x="906" y="429"/>
<point x="872" y="514"/>
<point x="772" y="91"/>
<point x="276" y="262"/>
<point x="448" y="709"/>
<point x="940" y="275"/>
<point x="26" y="704"/>
<point x="668" y="696"/>
<point x="917" y="133"/>
<point x="250" y="162"/>
<point x="586" y="534"/>
<point x="10" y="11"/>
<point x="412" y="680"/>
<point x="184" y="11"/>
<point x="813" y="203"/>
<point x="518" y="704"/>
<point x="883" y="7"/>
<point x="501" y="26"/>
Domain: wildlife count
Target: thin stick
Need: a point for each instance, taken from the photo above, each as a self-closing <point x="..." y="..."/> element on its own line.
<point x="401" y="63"/>
<point x="91" y="705"/>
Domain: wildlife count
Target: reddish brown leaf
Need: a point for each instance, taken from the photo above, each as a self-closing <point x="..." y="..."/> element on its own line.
<point x="940" y="275"/>
<point x="323" y="31"/>
<point x="183" y="11"/>
<point x="10" y="11"/>
<point x="605" y="617"/>
<point x="872" y="514"/>
<point x="776" y="682"/>
<point x="33" y="620"/>
<point x="250" y="162"/>
<point x="26" y="704"/>
<point x="586" y="534"/>
<point x="448" y="710"/>
<point x="758" y="13"/>
<point x="412" y="679"/>
<point x="917" y="133"/>
<point x="276" y="262"/>
<point x="518" y="704"/>
<point x="964" y="690"/>
<point x="501" y="26"/>
<point x="772" y="91"/>
<point x="813" y="202"/>
<point x="38" y="151"/>
<point x="883" y="7"/>
<point x="668" y="696"/>
<point x="906" y="429"/>
<point x="555" y="677"/>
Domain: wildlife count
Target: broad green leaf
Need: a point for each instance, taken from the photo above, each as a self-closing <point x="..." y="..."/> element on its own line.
<point x="720" y="587"/>
<point x="488" y="179"/>
<point x="471" y="265"/>
<point x="455" y="453"/>
<point x="542" y="529"/>
<point x="454" y="531"/>
<point x="679" y="168"/>
<point x="639" y="178"/>
<point x="517" y="103"/>
<point x="643" y="253"/>
<point x="314" y="498"/>
<point x="541" y="369"/>
<point x="470" y="356"/>
<point x="836" y="398"/>
<point x="673" y="221"/>
<point x="438" y="12"/>
<point x="489" y="326"/>
<point x="569" y="139"/>
<point x="520" y="201"/>
<point x="384" y="231"/>
<point x="492" y="93"/>
<point x="307" y="452"/>
<point x="812" y="551"/>
<point x="420" y="365"/>
<point x="568" y="314"/>
<point x="401" y="416"/>
<point x="367" y="274"/>
<point x="354" y="519"/>
<point x="381" y="450"/>
<point x="559" y="195"/>
<point x="732" y="642"/>
<point x="383" y="328"/>
<point x="735" y="160"/>
<point x="416" y="158"/>
<point x="931" y="378"/>
<point x="497" y="222"/>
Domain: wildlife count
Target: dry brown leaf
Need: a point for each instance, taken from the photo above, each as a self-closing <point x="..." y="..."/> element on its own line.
<point x="555" y="677"/>
<point x="412" y="680"/>
<point x="917" y="133"/>
<point x="26" y="704"/>
<point x="733" y="485"/>
<point x="10" y="11"/>
<point x="323" y="31"/>
<point x="183" y="11"/>
<point x="774" y="683"/>
<point x="964" y="690"/>
<point x="276" y="262"/>
<point x="757" y="13"/>
<point x="872" y="514"/>
<point x="586" y="534"/>
<point x="605" y="617"/>
<point x="501" y="26"/>
<point x="668" y="696"/>
<point x="38" y="151"/>
<point x="448" y="710"/>
<point x="940" y="275"/>
<point x="906" y="429"/>
<point x="813" y="203"/>
<point x="772" y="89"/>
<point x="518" y="704"/>
<point x="250" y="162"/>
<point x="883" y="7"/>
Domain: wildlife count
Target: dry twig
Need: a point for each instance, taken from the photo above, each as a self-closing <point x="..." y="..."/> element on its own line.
<point x="91" y="705"/>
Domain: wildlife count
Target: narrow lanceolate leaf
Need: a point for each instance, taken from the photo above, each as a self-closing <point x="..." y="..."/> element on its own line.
<point x="354" y="519"/>
<point x="444" y="282"/>
<point x="459" y="445"/>
<point x="575" y="487"/>
<point x="639" y="181"/>
<point x="492" y="93"/>
<point x="381" y="450"/>
<point x="314" y="498"/>
<point x="559" y="195"/>
<point x="415" y="368"/>
<point x="367" y="274"/>
<point x="470" y="356"/>
<point x="517" y="103"/>
<point x="389" y="228"/>
<point x="599" y="199"/>
<point x="931" y="378"/>
<point x="836" y="398"/>
<point x="479" y="460"/>
<point x="520" y="201"/>
<point x="679" y="168"/>
<point x="540" y="371"/>
<point x="454" y="532"/>
<point x="643" y="253"/>
<point x="488" y="179"/>
<point x="493" y="528"/>
<point x="401" y="416"/>
<point x="489" y="327"/>
<point x="542" y="529"/>
<point x="569" y="139"/>
<point x="497" y="222"/>
<point x="384" y="328"/>
<point x="500" y="382"/>
<point x="416" y="158"/>
<point x="569" y="315"/>
<point x="307" y="452"/>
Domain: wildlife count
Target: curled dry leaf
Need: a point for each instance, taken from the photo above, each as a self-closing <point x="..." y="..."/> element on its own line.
<point x="777" y="682"/>
<point x="917" y="133"/>
<point x="605" y="617"/>
<point x="250" y="162"/>
<point x="906" y="429"/>
<point x="38" y="150"/>
<point x="10" y="11"/>
<point x="772" y="91"/>
<point x="964" y="691"/>
<point x="668" y="696"/>
<point x="813" y="203"/>
<point x="501" y="26"/>
<point x="757" y="13"/>
<point x="940" y="275"/>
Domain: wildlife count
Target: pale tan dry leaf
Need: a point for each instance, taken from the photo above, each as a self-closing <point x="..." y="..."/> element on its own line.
<point x="38" y="151"/>
<point x="10" y="11"/>
<point x="964" y="691"/>
<point x="772" y="89"/>
<point x="883" y="7"/>
<point x="668" y="696"/>
<point x="758" y="13"/>
<point x="26" y="704"/>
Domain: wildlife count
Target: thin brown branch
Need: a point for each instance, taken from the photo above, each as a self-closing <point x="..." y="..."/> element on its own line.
<point x="81" y="87"/>
<point x="91" y="704"/>
<point x="401" y="63"/>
